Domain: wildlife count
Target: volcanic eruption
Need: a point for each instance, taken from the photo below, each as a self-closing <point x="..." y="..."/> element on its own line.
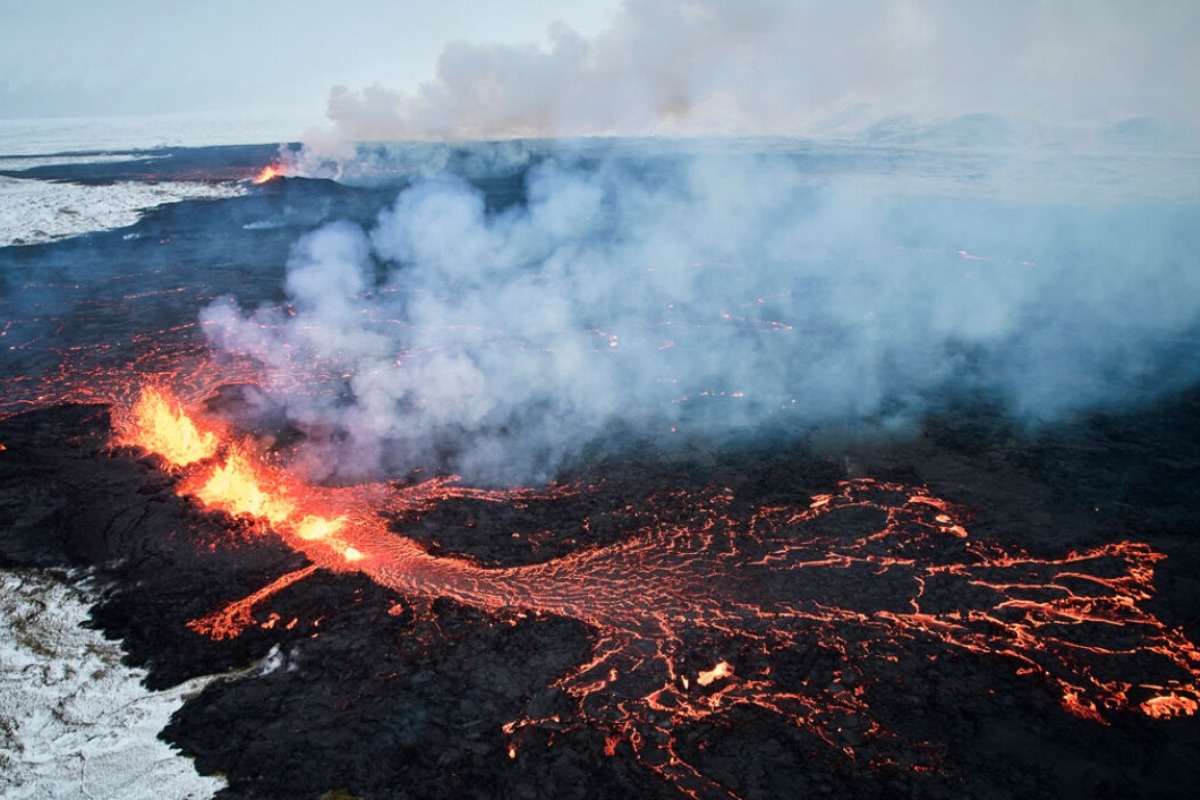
<point x="721" y="400"/>
<point x="749" y="582"/>
<point x="603" y="464"/>
<point x="268" y="173"/>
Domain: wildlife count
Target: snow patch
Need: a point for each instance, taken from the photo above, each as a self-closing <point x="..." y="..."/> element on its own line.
<point x="33" y="211"/>
<point x="74" y="721"/>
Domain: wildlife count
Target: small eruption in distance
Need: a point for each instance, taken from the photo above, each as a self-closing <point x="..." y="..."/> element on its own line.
<point x="268" y="173"/>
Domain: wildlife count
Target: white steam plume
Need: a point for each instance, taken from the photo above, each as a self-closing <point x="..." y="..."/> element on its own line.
<point x="714" y="296"/>
<point x="710" y="67"/>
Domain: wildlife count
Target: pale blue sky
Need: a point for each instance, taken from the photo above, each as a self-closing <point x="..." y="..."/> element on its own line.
<point x="72" y="58"/>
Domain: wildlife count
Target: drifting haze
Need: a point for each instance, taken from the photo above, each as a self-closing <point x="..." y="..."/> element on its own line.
<point x="703" y="67"/>
<point x="731" y="292"/>
<point x="708" y="298"/>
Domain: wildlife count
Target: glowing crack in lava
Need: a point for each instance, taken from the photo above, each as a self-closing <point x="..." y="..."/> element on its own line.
<point x="694" y="609"/>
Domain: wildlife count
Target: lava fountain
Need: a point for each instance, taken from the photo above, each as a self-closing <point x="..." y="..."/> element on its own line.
<point x="691" y="610"/>
<point x="268" y="173"/>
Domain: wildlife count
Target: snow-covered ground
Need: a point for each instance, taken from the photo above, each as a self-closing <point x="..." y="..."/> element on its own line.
<point x="34" y="211"/>
<point x="74" y="721"/>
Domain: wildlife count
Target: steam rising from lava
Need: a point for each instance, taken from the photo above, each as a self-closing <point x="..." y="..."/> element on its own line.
<point x="720" y="296"/>
<point x="713" y="297"/>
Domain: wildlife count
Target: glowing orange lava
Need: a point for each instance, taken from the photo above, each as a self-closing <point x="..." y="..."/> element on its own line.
<point x="240" y="487"/>
<point x="706" y="676"/>
<point x="234" y="618"/>
<point x="753" y="586"/>
<point x="158" y="424"/>
<point x="1170" y="705"/>
<point x="268" y="173"/>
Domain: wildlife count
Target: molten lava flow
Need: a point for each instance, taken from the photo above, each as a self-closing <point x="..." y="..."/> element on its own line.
<point x="694" y="611"/>
<point x="240" y="487"/>
<point x="234" y="618"/>
<point x="1170" y="705"/>
<point x="268" y="173"/>
<point x="157" y="423"/>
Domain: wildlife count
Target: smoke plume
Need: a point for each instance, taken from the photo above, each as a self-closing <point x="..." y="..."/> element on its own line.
<point x="729" y="291"/>
<point x="707" y="67"/>
<point x="722" y="297"/>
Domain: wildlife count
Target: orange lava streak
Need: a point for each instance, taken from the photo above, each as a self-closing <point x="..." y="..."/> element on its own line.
<point x="230" y="621"/>
<point x="227" y="476"/>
